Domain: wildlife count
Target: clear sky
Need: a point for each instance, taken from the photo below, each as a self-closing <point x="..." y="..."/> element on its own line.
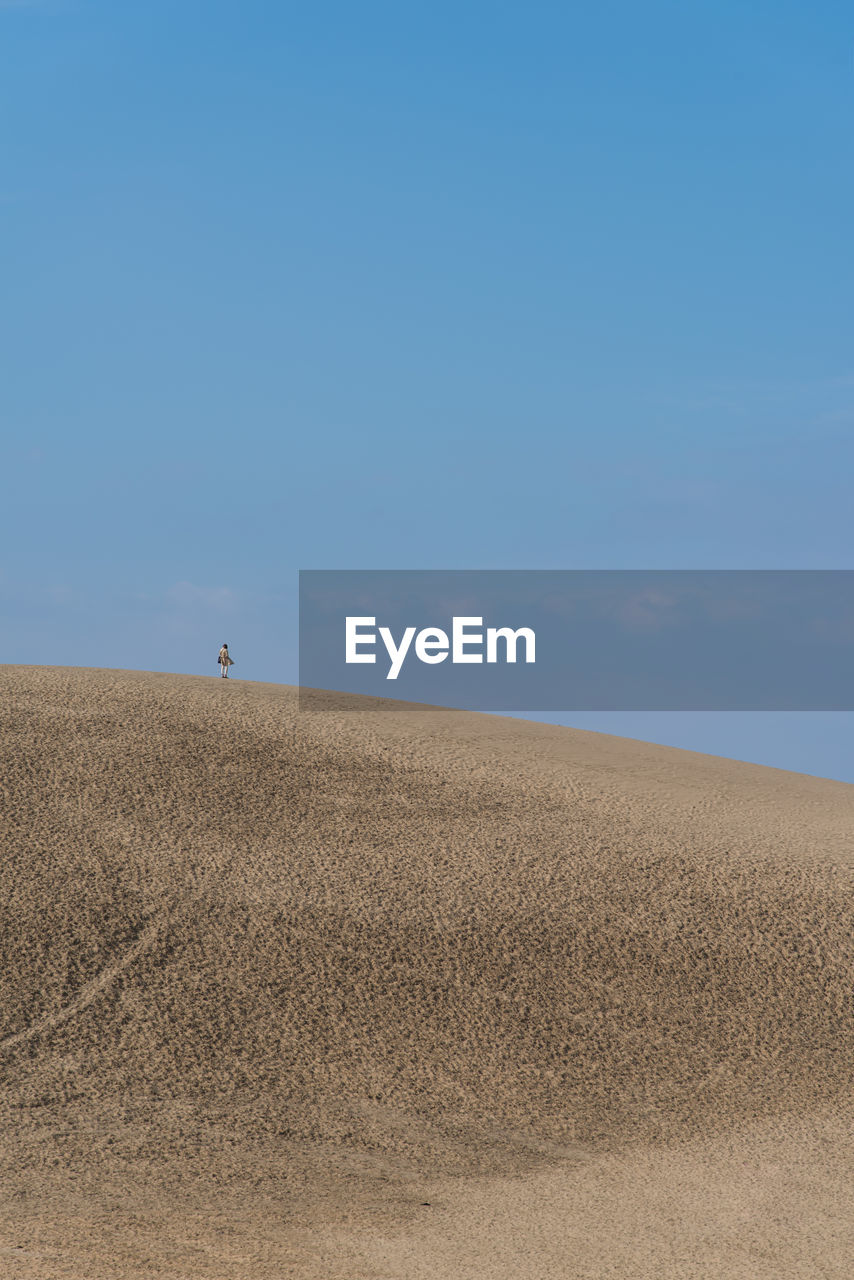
<point x="460" y="285"/>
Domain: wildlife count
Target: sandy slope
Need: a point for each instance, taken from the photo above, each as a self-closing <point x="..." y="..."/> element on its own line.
<point x="271" y="980"/>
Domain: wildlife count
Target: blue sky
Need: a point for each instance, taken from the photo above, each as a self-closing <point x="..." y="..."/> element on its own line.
<point x="453" y="286"/>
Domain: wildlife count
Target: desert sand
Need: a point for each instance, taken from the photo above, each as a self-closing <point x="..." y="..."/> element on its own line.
<point x="410" y="993"/>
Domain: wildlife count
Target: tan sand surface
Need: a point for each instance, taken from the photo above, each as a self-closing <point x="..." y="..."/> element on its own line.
<point x="401" y="993"/>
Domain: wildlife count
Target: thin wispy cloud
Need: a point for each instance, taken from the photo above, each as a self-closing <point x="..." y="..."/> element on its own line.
<point x="190" y="596"/>
<point x="648" y="610"/>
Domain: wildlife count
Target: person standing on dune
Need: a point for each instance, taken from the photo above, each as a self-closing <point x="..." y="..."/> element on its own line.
<point x="224" y="661"/>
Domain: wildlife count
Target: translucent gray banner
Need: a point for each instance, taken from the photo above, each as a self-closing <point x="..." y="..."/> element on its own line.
<point x="579" y="640"/>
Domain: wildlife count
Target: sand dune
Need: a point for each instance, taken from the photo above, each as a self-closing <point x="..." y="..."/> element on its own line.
<point x="396" y="993"/>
